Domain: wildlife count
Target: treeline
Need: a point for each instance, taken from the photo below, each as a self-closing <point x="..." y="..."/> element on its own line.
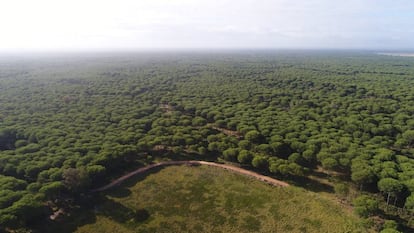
<point x="69" y="126"/>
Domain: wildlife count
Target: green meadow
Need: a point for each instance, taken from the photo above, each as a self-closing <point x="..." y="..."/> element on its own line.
<point x="208" y="199"/>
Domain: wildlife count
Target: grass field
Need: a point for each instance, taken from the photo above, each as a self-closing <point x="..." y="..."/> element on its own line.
<point x="208" y="199"/>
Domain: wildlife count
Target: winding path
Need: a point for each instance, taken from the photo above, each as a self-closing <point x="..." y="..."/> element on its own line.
<point x="255" y="175"/>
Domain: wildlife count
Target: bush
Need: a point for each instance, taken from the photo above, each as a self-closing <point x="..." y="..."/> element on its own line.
<point x="341" y="189"/>
<point x="391" y="224"/>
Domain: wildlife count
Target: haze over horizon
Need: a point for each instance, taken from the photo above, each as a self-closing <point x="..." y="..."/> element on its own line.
<point x="48" y="25"/>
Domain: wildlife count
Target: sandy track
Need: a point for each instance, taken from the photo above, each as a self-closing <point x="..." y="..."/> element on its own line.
<point x="242" y="171"/>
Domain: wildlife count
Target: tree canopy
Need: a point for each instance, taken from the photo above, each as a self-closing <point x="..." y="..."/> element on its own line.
<point x="70" y="124"/>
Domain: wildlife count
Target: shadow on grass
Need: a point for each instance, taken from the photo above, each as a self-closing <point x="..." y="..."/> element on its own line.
<point x="299" y="181"/>
<point x="320" y="174"/>
<point x="122" y="190"/>
<point x="119" y="192"/>
<point x="396" y="216"/>
<point x="120" y="213"/>
<point x="67" y="224"/>
<point x="86" y="210"/>
<point x="312" y="185"/>
<point x="99" y="205"/>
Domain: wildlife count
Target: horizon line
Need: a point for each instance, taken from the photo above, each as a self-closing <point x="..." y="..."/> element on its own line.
<point x="201" y="49"/>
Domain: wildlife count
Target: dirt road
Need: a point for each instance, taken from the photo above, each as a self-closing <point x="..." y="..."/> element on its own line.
<point x="242" y="171"/>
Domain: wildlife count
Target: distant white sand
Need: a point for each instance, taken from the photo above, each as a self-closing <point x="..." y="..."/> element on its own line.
<point x="398" y="54"/>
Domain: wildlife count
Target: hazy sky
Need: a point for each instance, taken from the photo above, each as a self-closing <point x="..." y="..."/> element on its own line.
<point x="123" y="24"/>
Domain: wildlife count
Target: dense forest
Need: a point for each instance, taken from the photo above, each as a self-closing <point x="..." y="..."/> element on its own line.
<point x="69" y="123"/>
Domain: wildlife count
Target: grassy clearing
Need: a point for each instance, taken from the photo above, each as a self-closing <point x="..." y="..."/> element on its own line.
<point x="208" y="199"/>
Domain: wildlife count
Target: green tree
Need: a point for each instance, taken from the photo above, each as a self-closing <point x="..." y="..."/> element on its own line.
<point x="75" y="180"/>
<point x="253" y="136"/>
<point x="264" y="148"/>
<point x="365" y="206"/>
<point x="245" y="144"/>
<point x="95" y="171"/>
<point x="390" y="186"/>
<point x="259" y="162"/>
<point x="52" y="190"/>
<point x="28" y="208"/>
<point x="406" y="140"/>
<point x="245" y="157"/>
<point x="362" y="173"/>
<point x="409" y="203"/>
<point x="231" y="154"/>
<point x="330" y="163"/>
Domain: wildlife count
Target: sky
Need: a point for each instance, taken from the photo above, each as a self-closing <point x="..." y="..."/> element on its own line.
<point x="44" y="25"/>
